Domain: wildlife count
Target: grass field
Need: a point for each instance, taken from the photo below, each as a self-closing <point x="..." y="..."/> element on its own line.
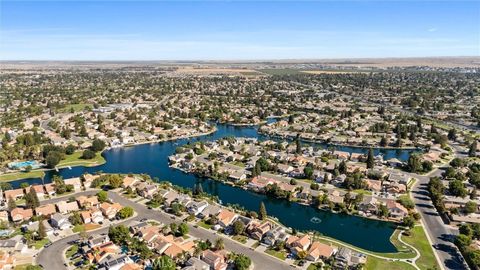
<point x="204" y="225"/>
<point x="240" y="238"/>
<point x="282" y="255"/>
<point x="285" y="71"/>
<point x="419" y="240"/>
<point x="71" y="251"/>
<point x="39" y="244"/>
<point x="375" y="263"/>
<point x="22" y="175"/>
<point x="76" y="160"/>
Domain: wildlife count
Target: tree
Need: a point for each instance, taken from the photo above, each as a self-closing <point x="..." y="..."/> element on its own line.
<point x="408" y="222"/>
<point x="98" y="145"/>
<point x="70" y="149"/>
<point x="102" y="196"/>
<point x="119" y="234"/>
<point x="115" y="181"/>
<point x="308" y="171"/>
<point x="370" y="159"/>
<point x="414" y="163"/>
<point x="53" y="158"/>
<point x="462" y="241"/>
<point x="471" y="207"/>
<point x="88" y="154"/>
<point x="383" y="142"/>
<point x="164" y="263"/>
<point x="382" y="211"/>
<point x="472" y="151"/>
<point x="262" y="213"/>
<point x="31" y="199"/>
<point x="183" y="229"/>
<point x="457" y="188"/>
<point x="75" y="218"/>
<point x="238" y="227"/>
<point x="452" y="134"/>
<point x="219" y="244"/>
<point x="11" y="204"/>
<point x="242" y="262"/>
<point x="298" y="145"/>
<point x="125" y="212"/>
<point x="41" y="230"/>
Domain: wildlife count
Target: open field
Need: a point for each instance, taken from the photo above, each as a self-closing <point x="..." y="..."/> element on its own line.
<point x="419" y="240"/>
<point x="76" y="107"/>
<point x="76" y="160"/>
<point x="216" y="70"/>
<point x="376" y="263"/>
<point x="21" y="175"/>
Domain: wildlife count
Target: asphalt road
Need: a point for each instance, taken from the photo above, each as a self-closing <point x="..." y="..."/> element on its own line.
<point x="51" y="258"/>
<point x="440" y="234"/>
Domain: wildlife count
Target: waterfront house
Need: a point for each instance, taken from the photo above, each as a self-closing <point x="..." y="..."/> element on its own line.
<point x="75" y="182"/>
<point x="50" y="189"/>
<point x="21" y="214"/>
<point x="320" y="250"/>
<point x="257" y="230"/>
<point x="346" y="258"/>
<point x="374" y="185"/>
<point x="368" y="205"/>
<point x="88" y="179"/>
<point x="45" y="210"/>
<point x="297" y="244"/>
<point x="226" y="217"/>
<point x="275" y="235"/>
<point x="396" y="210"/>
<point x="237" y="175"/>
<point x="195" y="208"/>
<point x="38" y="190"/>
<point x="15" y="194"/>
<point x="129" y="181"/>
<point x="148" y="191"/>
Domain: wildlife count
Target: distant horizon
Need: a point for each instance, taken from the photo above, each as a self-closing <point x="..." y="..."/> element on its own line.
<point x="346" y="59"/>
<point x="236" y="30"/>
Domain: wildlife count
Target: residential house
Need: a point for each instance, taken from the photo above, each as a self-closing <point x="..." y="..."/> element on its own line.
<point x="226" y="217"/>
<point x="275" y="235"/>
<point x="195" y="208"/>
<point x="216" y="260"/>
<point x="87" y="202"/>
<point x="15" y="194"/>
<point x="60" y="221"/>
<point x="75" y="182"/>
<point x="45" y="210"/>
<point x="21" y="214"/>
<point x="319" y="250"/>
<point x="98" y="240"/>
<point x="65" y="207"/>
<point x="396" y="210"/>
<point x="109" y="210"/>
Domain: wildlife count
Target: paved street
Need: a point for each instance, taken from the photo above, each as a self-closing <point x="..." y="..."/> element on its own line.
<point x="51" y="258"/>
<point x="440" y="234"/>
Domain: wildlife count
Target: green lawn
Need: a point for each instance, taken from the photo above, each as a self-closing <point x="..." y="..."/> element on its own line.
<point x="78" y="228"/>
<point x="375" y="263"/>
<point x="22" y="175"/>
<point x="39" y="244"/>
<point x="282" y="255"/>
<point x="238" y="163"/>
<point x="240" y="238"/>
<point x="76" y="160"/>
<point x="24" y="266"/>
<point x="71" y="251"/>
<point x="204" y="225"/>
<point x="419" y="240"/>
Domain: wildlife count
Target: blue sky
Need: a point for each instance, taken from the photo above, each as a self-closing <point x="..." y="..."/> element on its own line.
<point x="239" y="30"/>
